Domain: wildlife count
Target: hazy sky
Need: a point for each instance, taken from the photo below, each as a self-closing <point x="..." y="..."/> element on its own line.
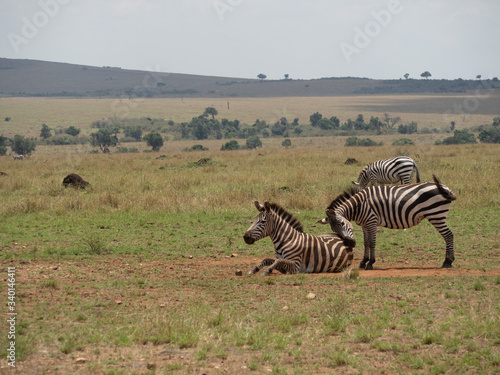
<point x="242" y="38"/>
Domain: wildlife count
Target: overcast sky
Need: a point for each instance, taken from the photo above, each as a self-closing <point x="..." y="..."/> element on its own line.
<point x="242" y="38"/>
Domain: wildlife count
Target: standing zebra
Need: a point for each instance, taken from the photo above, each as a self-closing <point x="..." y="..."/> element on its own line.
<point x="295" y="251"/>
<point x="390" y="171"/>
<point x="394" y="207"/>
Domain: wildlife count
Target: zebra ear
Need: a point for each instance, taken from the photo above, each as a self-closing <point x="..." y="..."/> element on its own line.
<point x="267" y="206"/>
<point x="258" y="206"/>
<point x="330" y="212"/>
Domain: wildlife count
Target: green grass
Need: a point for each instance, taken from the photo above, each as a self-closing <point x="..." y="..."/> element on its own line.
<point x="139" y="268"/>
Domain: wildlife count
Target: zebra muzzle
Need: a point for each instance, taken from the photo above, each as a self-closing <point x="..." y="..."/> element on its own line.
<point x="248" y="239"/>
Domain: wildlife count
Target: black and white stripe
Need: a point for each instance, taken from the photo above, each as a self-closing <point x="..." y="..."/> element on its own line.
<point x="295" y="251"/>
<point x="395" y="207"/>
<point x="390" y="171"/>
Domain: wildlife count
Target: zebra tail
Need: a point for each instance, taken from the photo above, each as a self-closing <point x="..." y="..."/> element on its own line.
<point x="445" y="192"/>
<point x="418" y="174"/>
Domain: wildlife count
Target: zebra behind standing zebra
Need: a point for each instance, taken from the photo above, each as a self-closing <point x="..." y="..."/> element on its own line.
<point x="394" y="207"/>
<point x="390" y="171"/>
<point x="295" y="251"/>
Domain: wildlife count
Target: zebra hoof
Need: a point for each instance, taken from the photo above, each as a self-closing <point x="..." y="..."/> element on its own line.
<point x="368" y="267"/>
<point x="446" y="264"/>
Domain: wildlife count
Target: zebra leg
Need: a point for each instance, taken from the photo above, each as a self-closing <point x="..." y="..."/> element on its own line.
<point x="450" y="253"/>
<point x="447" y="234"/>
<point x="265" y="263"/>
<point x="370" y="235"/>
<point x="282" y="265"/>
<point x="366" y="256"/>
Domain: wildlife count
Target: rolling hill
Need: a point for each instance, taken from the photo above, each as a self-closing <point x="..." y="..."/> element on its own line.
<point x="42" y="78"/>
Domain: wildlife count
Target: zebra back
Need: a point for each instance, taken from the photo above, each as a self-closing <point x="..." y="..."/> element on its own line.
<point x="388" y="171"/>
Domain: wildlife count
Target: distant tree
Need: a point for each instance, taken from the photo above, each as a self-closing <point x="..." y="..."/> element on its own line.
<point x="211" y="111"/>
<point x="278" y="128"/>
<point x="351" y="141"/>
<point x="460" y="137"/>
<point x="488" y="135"/>
<point x="406" y="75"/>
<point x="133" y="132"/>
<point x="478" y="76"/>
<point x="335" y="122"/>
<point x="426" y="74"/>
<point x="8" y="118"/>
<point x="485" y="136"/>
<point x="452" y="125"/>
<point x="231" y="145"/>
<point x="324" y="124"/>
<point x="286" y="76"/>
<point x="197" y="148"/>
<point x="72" y="131"/>
<point x="261" y="76"/>
<point x="410" y="128"/>
<point x="3" y="146"/>
<point x="315" y="117"/>
<point x="154" y="140"/>
<point x="104" y="139"/>
<point x="253" y="142"/>
<point x="22" y="146"/>
<point x="286" y="142"/>
<point x="45" y="132"/>
<point x="402" y="142"/>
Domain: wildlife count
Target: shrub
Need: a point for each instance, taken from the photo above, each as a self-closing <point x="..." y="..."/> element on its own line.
<point x="231" y="145"/>
<point x="154" y="140"/>
<point x="196" y="148"/>
<point x="286" y="143"/>
<point x="490" y="135"/>
<point x="253" y="142"/>
<point x="72" y="131"/>
<point x="22" y="146"/>
<point x="402" y="142"/>
<point x="460" y="137"/>
<point x="355" y="141"/>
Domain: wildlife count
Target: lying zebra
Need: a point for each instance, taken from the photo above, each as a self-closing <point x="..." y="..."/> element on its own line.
<point x="295" y="251"/>
<point x="394" y="207"/>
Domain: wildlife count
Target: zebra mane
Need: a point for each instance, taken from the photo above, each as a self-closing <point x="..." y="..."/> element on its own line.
<point x="342" y="198"/>
<point x="288" y="217"/>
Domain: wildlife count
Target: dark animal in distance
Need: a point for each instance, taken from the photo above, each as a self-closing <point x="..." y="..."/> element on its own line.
<point x="75" y="181"/>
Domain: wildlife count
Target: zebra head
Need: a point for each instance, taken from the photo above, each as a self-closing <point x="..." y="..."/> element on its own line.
<point x="260" y="228"/>
<point x="341" y="226"/>
<point x="363" y="179"/>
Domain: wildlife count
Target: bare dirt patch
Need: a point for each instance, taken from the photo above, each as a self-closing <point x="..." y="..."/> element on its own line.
<point x="73" y="279"/>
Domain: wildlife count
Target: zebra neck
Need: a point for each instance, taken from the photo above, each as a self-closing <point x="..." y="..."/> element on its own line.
<point x="282" y="234"/>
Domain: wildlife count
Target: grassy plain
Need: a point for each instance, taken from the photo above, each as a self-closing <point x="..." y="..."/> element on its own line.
<point x="137" y="274"/>
<point x="429" y="111"/>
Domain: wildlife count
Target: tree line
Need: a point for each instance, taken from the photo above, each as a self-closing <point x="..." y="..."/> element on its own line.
<point x="155" y="131"/>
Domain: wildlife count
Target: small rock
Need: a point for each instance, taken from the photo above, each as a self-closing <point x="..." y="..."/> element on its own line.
<point x="190" y="257"/>
<point x="118" y="302"/>
<point x="284" y="308"/>
<point x="162" y="305"/>
<point x="311" y="296"/>
<point x="238" y="273"/>
<point x="81" y="360"/>
<point x="151" y="366"/>
<point x="234" y="255"/>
